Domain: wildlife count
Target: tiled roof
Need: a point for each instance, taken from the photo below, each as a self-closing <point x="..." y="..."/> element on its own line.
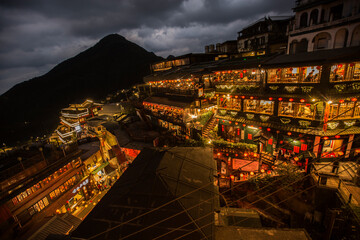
<point x="157" y="177"/>
<point x="58" y="224"/>
<point x="289" y="128"/>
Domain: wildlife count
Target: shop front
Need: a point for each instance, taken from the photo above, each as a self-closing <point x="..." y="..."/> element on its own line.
<point x="77" y="196"/>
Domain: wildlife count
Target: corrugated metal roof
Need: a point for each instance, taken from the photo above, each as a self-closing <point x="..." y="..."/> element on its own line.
<point x="58" y="224"/>
<point x="157" y="177"/>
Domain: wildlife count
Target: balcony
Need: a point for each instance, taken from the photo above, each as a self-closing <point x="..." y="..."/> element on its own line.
<point x="175" y="91"/>
<point x="70" y="113"/>
<point x="320" y="26"/>
<point x="70" y="123"/>
<point x="64" y="134"/>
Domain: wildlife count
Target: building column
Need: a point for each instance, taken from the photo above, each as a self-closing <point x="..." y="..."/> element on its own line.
<point x="316" y="145"/>
<point x="349" y="145"/>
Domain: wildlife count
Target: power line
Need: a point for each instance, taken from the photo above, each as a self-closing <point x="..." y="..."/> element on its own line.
<point x="157" y="208"/>
<point x="253" y="203"/>
<point x="211" y="199"/>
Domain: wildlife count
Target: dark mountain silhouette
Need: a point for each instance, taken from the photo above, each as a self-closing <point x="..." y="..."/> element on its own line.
<point x="32" y="108"/>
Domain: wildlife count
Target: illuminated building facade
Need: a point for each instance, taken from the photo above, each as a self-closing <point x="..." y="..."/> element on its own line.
<point x="72" y="121"/>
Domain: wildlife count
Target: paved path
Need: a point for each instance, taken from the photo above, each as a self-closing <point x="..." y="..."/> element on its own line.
<point x="84" y="210"/>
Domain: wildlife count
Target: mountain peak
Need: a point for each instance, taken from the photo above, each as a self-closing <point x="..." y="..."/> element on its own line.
<point x="112" y="64"/>
<point x="112" y="37"/>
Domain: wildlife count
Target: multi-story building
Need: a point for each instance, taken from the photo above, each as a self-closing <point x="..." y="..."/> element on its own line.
<point x="180" y="96"/>
<point x="226" y="47"/>
<point x="72" y="121"/>
<point x="266" y="36"/>
<point x="320" y="25"/>
<point x="301" y="104"/>
<point x="64" y="186"/>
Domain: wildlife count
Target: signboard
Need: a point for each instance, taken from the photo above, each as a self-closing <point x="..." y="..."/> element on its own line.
<point x="245" y="165"/>
<point x="201" y="92"/>
<point x="326" y="116"/>
<point x="83" y="183"/>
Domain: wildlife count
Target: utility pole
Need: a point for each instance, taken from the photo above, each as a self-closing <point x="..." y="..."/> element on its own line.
<point x="42" y="154"/>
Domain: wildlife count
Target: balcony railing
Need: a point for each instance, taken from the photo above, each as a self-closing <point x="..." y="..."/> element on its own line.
<point x="68" y="123"/>
<point x="75" y="115"/>
<point x="64" y="135"/>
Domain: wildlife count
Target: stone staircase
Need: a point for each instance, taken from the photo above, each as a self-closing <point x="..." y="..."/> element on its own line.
<point x="348" y="170"/>
<point x="267" y="158"/>
<point x="208" y="127"/>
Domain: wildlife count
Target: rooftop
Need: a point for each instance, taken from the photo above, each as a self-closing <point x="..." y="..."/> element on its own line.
<point x="240" y="233"/>
<point x="157" y="194"/>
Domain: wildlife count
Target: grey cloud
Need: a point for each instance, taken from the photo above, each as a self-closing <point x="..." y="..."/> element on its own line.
<point x="39" y="33"/>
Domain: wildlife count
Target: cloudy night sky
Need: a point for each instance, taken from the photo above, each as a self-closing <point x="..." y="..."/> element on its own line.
<point x="38" y="34"/>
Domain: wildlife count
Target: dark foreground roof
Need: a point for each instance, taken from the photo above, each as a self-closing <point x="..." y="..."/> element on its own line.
<point x="58" y="224"/>
<point x="157" y="181"/>
<point x="240" y="233"/>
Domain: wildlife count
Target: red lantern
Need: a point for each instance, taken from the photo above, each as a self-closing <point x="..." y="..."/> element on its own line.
<point x="280" y="99"/>
<point x="270" y="98"/>
<point x="337" y="136"/>
<point x="302" y="100"/>
<point x="341" y="101"/>
<point x="291" y="99"/>
<point x="268" y="129"/>
<point x="354" y="99"/>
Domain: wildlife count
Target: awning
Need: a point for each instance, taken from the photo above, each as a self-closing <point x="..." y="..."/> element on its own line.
<point x="99" y="168"/>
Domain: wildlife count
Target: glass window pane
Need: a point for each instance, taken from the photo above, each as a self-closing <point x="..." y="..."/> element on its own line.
<point x="337" y="73"/>
<point x="250" y="105"/>
<point x="266" y="107"/>
<point x="45" y="200"/>
<point x="286" y="109"/>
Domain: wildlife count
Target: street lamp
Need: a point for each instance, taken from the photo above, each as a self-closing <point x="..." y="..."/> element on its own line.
<point x="42" y="154"/>
<point x="20" y="160"/>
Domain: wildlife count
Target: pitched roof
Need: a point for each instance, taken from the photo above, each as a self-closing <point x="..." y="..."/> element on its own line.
<point x="239" y="233"/>
<point x="58" y="224"/>
<point x="154" y="185"/>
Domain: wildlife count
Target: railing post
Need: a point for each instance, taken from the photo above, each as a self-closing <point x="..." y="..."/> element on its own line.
<point x="350" y="196"/>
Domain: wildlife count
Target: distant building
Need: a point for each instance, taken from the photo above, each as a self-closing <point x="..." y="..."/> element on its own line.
<point x="320" y="25"/>
<point x="229" y="46"/>
<point x="72" y="120"/>
<point x="266" y="36"/>
<point x="183" y="60"/>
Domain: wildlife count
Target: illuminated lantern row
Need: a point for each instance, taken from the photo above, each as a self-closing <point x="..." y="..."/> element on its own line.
<point x="246" y="154"/>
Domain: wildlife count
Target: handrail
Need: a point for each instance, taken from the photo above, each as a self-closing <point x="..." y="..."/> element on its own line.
<point x="341" y="186"/>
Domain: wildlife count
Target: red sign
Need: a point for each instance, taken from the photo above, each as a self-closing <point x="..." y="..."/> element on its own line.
<point x="296" y="149"/>
<point x="303" y="147"/>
